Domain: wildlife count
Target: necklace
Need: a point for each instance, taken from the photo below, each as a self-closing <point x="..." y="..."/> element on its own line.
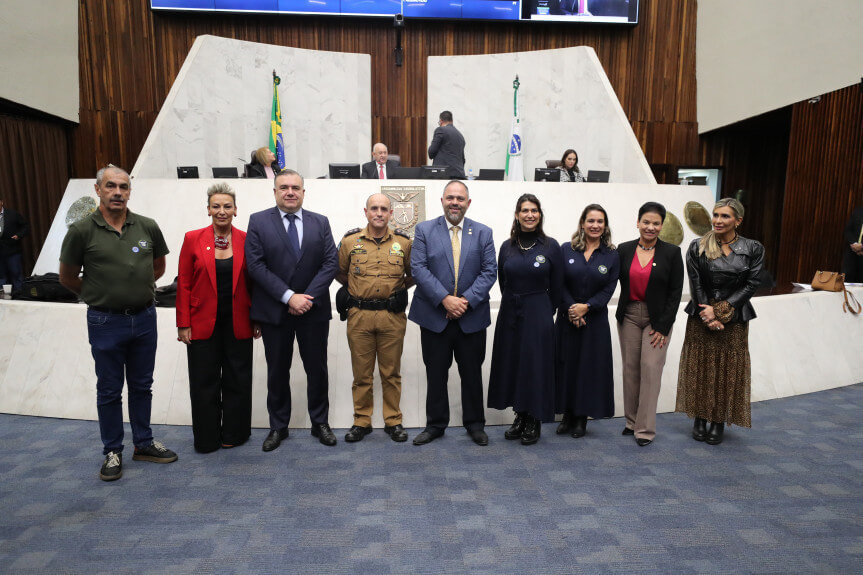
<point x="524" y="249"/>
<point x="222" y="242"/>
<point x="729" y="242"/>
<point x="653" y="247"/>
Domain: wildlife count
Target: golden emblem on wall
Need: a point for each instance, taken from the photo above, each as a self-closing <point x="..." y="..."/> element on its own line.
<point x="672" y="230"/>
<point x="697" y="218"/>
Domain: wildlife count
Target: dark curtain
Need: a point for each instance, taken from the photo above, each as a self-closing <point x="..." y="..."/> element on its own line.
<point x="34" y="171"/>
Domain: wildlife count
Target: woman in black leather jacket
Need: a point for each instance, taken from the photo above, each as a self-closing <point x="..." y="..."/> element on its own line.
<point x="715" y="371"/>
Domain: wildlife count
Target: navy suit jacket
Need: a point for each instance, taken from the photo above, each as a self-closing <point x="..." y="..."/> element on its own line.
<point x="274" y="269"/>
<point x="433" y="272"/>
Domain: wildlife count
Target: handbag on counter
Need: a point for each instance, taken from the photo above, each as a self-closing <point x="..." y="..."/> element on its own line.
<point x="835" y="282"/>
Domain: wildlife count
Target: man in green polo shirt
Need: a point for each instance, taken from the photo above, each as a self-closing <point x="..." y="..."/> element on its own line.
<point x="122" y="255"/>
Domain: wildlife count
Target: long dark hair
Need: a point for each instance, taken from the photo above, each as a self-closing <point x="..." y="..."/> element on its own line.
<point x="563" y="161"/>
<point x="516" y="227"/>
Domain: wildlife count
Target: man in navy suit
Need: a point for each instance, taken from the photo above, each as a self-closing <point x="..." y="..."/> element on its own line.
<point x="452" y="310"/>
<point x="292" y="260"/>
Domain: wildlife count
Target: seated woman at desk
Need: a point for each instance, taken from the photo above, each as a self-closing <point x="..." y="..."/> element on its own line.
<point x="264" y="164"/>
<point x="569" y="171"/>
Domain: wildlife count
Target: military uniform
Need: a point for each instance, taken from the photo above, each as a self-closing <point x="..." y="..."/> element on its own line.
<point x="375" y="271"/>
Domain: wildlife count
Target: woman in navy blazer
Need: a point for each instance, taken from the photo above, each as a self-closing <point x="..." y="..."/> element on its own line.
<point x="651" y="283"/>
<point x="213" y="321"/>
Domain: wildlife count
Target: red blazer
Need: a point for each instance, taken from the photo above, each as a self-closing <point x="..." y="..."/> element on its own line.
<point x="197" y="299"/>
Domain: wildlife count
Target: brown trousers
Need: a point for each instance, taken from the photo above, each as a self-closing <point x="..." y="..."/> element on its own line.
<point x="642" y="370"/>
<point x="376" y="335"/>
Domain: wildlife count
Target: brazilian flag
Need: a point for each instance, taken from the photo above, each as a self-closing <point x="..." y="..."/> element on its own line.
<point x="277" y="145"/>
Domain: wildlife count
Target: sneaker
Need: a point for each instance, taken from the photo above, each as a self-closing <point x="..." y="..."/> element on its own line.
<point x="112" y="469"/>
<point x="155" y="452"/>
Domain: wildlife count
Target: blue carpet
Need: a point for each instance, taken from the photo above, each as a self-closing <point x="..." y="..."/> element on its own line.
<point x="783" y="497"/>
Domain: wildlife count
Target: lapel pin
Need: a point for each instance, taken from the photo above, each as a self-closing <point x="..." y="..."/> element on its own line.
<point x="470" y="231"/>
<point x="208" y="248"/>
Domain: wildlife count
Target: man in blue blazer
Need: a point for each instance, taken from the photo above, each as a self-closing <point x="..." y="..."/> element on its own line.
<point x="292" y="260"/>
<point x="451" y="307"/>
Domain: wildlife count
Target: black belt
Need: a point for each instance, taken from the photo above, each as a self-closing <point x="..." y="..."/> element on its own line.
<point x="131" y="310"/>
<point x="372" y="304"/>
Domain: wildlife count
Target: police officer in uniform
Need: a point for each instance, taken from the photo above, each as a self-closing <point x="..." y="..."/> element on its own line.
<point x="374" y="266"/>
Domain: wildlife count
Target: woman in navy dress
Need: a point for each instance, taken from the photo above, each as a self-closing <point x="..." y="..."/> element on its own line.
<point x="522" y="361"/>
<point x="585" y="381"/>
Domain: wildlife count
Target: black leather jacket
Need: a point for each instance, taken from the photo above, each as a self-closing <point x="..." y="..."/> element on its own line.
<point x="733" y="278"/>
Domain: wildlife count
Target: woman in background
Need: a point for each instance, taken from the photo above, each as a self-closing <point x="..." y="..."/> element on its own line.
<point x="522" y="361"/>
<point x="585" y="379"/>
<point x="715" y="370"/>
<point x="651" y="283"/>
<point x="213" y="321"/>
<point x="264" y="164"/>
<point x="569" y="171"/>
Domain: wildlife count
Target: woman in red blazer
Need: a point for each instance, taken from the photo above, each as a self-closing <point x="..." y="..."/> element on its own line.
<point x="213" y="321"/>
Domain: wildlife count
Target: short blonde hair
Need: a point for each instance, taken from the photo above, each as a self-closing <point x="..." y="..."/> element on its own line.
<point x="221" y="188"/>
<point x="261" y="156"/>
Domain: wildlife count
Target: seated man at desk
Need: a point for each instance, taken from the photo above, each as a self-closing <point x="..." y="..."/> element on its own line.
<point x="380" y="168"/>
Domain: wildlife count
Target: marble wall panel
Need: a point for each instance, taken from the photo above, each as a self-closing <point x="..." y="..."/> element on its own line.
<point x="219" y="108"/>
<point x="565" y="101"/>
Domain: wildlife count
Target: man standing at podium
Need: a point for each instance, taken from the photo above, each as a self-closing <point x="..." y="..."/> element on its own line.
<point x="447" y="146"/>
<point x="380" y="168"/>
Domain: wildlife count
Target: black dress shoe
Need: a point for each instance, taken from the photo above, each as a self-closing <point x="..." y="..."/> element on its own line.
<point x="565" y="426"/>
<point x="627" y="431"/>
<point x="356" y="433"/>
<point x="396" y="432"/>
<point x="642" y="441"/>
<point x="478" y="436"/>
<point x="579" y="426"/>
<point x="532" y="431"/>
<point x="699" y="429"/>
<point x="324" y="434"/>
<point x="427" y="436"/>
<point x="274" y="438"/>
<point x="715" y="433"/>
<point x="515" y="430"/>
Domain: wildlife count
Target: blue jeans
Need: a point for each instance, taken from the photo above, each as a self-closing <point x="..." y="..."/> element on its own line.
<point x="123" y="343"/>
<point x="12" y="271"/>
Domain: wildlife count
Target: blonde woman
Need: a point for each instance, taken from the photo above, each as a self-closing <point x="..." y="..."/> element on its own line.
<point x="715" y="371"/>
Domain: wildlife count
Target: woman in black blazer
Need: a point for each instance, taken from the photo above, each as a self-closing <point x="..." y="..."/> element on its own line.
<point x="651" y="283"/>
<point x="263" y="165"/>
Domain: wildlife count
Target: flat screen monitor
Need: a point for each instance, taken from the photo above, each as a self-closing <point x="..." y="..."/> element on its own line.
<point x="187" y="172"/>
<point x="404" y="173"/>
<point x="435" y="172"/>
<point x="229" y="172"/>
<point x="546" y="175"/>
<point x="485" y="174"/>
<point x="344" y="171"/>
<point x="575" y="11"/>
<point x="597" y="176"/>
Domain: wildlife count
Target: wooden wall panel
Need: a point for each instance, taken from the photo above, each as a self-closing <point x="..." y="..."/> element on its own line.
<point x="754" y="155"/>
<point x="824" y="182"/>
<point x="130" y="56"/>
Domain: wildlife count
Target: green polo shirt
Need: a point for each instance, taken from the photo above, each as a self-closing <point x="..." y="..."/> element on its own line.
<point x="118" y="267"/>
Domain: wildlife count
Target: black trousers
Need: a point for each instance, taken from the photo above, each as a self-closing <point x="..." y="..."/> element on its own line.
<point x="220" y="386"/>
<point x="311" y="337"/>
<point x="438" y="352"/>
